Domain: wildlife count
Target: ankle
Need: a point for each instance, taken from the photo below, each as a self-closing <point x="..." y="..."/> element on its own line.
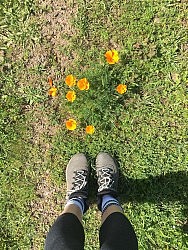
<point x="105" y="193"/>
<point x="110" y="210"/>
<point x="106" y="201"/>
<point x="73" y="209"/>
<point x="79" y="201"/>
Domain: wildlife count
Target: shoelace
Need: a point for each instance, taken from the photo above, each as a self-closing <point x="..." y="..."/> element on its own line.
<point x="105" y="180"/>
<point x="79" y="180"/>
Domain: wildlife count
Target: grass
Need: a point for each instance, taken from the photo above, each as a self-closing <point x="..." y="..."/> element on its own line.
<point x="145" y="129"/>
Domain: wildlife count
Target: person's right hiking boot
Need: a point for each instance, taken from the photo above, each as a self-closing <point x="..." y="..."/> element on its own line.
<point x="107" y="176"/>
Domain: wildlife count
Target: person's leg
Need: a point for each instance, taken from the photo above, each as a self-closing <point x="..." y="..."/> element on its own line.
<point x="67" y="231"/>
<point x="116" y="232"/>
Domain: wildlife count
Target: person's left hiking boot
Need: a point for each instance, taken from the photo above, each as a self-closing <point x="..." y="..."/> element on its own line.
<point x="107" y="176"/>
<point x="77" y="174"/>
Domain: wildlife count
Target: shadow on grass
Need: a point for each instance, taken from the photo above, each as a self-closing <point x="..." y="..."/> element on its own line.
<point x="163" y="188"/>
<point x="159" y="190"/>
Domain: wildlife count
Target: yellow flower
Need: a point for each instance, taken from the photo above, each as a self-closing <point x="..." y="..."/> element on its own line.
<point x="90" y="129"/>
<point x="112" y="56"/>
<point x="71" y="96"/>
<point x="52" y="91"/>
<point x="70" y="80"/>
<point x="121" y="88"/>
<point x="83" y="84"/>
<point x="70" y="124"/>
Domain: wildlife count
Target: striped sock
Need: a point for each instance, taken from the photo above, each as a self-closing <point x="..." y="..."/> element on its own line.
<point x="108" y="200"/>
<point x="78" y="201"/>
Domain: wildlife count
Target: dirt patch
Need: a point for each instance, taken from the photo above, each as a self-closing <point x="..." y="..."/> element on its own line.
<point x="46" y="208"/>
<point x="54" y="19"/>
<point x="41" y="129"/>
<point x="52" y="54"/>
<point x="49" y="46"/>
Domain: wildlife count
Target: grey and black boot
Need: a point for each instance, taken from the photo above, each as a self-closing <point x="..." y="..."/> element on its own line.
<point x="77" y="174"/>
<point x="107" y="176"/>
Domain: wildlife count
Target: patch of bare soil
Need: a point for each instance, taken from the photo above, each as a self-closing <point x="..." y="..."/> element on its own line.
<point x="52" y="54"/>
<point x="56" y="31"/>
<point x="46" y="208"/>
<point x="41" y="129"/>
<point x="54" y="19"/>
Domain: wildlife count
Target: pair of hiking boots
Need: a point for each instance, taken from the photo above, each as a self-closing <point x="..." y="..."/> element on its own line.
<point x="77" y="175"/>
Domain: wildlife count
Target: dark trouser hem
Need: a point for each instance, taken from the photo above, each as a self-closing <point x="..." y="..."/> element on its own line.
<point x="66" y="233"/>
<point x="117" y="233"/>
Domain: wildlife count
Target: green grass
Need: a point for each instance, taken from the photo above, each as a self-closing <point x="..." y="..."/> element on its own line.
<point x="146" y="129"/>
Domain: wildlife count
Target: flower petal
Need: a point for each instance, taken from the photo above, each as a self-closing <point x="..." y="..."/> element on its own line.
<point x="71" y="96"/>
<point x="112" y="56"/>
<point x="52" y="91"/>
<point x="71" y="124"/>
<point x="121" y="88"/>
<point x="70" y="80"/>
<point x="90" y="129"/>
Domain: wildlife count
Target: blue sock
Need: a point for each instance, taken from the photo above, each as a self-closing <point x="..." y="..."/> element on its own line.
<point x="78" y="201"/>
<point x="108" y="200"/>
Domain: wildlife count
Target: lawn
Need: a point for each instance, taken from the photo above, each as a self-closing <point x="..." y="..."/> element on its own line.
<point x="145" y="128"/>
